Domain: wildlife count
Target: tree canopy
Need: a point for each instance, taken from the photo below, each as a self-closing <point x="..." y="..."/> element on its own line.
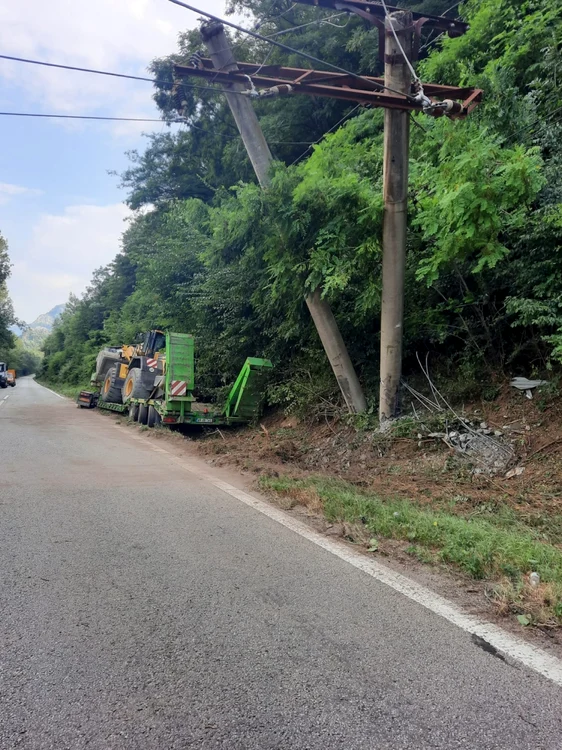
<point x="214" y="255"/>
<point x="12" y="351"/>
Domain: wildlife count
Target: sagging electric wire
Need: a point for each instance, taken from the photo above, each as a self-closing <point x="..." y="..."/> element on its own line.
<point x="168" y="84"/>
<point x="91" y="117"/>
<point x="296" y="28"/>
<point x="301" y="53"/>
<point x="338" y="123"/>
<point x="533" y="129"/>
<point x="319" y="22"/>
<point x="175" y="121"/>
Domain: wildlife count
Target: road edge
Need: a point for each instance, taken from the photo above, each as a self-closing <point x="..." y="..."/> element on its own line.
<point x="485" y="634"/>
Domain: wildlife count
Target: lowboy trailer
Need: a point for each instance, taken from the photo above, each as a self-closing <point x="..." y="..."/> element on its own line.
<point x="168" y="383"/>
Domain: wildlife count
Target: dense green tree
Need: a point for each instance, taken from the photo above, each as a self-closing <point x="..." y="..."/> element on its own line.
<point x="7" y="317"/>
<point x="215" y="255"/>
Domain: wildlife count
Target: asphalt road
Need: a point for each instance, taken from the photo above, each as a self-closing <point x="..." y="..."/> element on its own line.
<point x="141" y="607"/>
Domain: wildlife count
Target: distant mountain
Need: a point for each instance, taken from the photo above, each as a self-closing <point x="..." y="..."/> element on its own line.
<point x="47" y="319"/>
<point x="35" y="333"/>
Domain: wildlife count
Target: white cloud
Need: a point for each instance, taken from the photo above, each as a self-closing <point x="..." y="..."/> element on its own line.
<point x="8" y="191"/>
<point x="63" y="251"/>
<point x="121" y="36"/>
<point x="114" y="35"/>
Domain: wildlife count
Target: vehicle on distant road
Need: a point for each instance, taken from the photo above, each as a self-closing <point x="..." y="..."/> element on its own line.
<point x="11" y="378"/>
<point x="3" y="375"/>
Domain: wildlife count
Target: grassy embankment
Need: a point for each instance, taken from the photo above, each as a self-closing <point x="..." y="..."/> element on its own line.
<point x="501" y="548"/>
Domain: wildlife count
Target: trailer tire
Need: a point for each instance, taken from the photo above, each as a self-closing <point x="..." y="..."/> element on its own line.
<point x="154" y="418"/>
<point x="143" y="414"/>
<point x="111" y="391"/>
<point x="134" y="412"/>
<point x="133" y="386"/>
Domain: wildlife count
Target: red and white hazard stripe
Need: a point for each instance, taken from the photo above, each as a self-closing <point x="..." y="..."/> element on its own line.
<point x="178" y="388"/>
<point x="152" y="362"/>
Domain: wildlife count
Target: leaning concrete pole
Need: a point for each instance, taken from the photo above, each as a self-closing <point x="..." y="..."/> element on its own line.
<point x="254" y="140"/>
<point x="241" y="107"/>
<point x="395" y="176"/>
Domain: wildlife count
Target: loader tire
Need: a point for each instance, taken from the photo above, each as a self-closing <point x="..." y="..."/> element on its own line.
<point x="154" y="418"/>
<point x="143" y="414"/>
<point x="133" y="412"/>
<point x="111" y="391"/>
<point x="133" y="387"/>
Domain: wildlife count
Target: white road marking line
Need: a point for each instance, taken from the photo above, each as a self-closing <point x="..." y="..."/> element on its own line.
<point x="509" y="645"/>
<point x="4" y="399"/>
<point x="50" y="391"/>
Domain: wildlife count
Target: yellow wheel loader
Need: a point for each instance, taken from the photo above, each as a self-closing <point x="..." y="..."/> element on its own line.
<point x="132" y="370"/>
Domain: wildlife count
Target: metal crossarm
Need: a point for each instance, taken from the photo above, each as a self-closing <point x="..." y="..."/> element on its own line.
<point x="271" y="78"/>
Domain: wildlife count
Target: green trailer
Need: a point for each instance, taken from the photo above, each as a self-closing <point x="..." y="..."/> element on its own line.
<point x="171" y="400"/>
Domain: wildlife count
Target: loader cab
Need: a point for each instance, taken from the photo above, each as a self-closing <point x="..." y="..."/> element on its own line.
<point x="154" y="341"/>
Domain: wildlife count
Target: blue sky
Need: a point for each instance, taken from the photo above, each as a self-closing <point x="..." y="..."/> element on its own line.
<point x="60" y="211"/>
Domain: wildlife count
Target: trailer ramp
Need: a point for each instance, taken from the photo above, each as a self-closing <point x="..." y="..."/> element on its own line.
<point x="244" y="399"/>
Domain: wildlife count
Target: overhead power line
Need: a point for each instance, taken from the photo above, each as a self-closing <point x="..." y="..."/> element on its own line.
<point x="110" y="73"/>
<point x="533" y="128"/>
<point x="315" y="143"/>
<point x="292" y="50"/>
<point x="140" y="119"/>
<point x="88" y="117"/>
<point x="318" y="22"/>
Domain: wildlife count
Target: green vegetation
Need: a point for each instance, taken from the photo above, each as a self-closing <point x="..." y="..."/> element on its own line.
<point x="7" y="317"/>
<point x="495" y="548"/>
<point x="12" y="350"/>
<point x="23" y="360"/>
<point x="212" y="254"/>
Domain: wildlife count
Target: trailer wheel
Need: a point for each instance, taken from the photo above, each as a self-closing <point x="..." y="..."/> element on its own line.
<point x="133" y="387"/>
<point x="154" y="418"/>
<point x="111" y="392"/>
<point x="143" y="414"/>
<point x="134" y="412"/>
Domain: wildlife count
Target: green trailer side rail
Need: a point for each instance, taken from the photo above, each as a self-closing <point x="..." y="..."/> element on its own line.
<point x="176" y="404"/>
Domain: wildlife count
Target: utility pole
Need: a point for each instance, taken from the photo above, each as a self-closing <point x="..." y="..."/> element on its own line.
<point x="241" y="107"/>
<point x="398" y="101"/>
<point x="395" y="179"/>
<point x="254" y="140"/>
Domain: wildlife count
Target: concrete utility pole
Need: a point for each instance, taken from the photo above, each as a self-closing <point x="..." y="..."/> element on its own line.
<point x="336" y="351"/>
<point x="252" y="135"/>
<point x="241" y="107"/>
<point x="395" y="177"/>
